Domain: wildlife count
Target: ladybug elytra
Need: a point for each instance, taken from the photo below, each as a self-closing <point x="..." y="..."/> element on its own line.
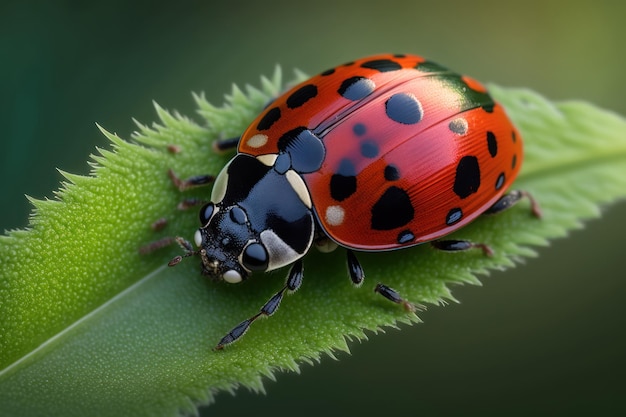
<point x="381" y="153"/>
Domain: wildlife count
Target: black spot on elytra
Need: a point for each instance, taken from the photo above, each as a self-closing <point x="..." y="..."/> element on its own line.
<point x="405" y="236"/>
<point x="343" y="183"/>
<point x="269" y="119"/>
<point x="492" y="144"/>
<point x="356" y="88"/>
<point x="458" y="126"/>
<point x="369" y="149"/>
<point x="392" y="173"/>
<point x="514" y="162"/>
<point x="514" y="136"/>
<point x="342" y="187"/>
<point x="454" y="216"/>
<point x="393" y="209"/>
<point x="301" y="96"/>
<point x="500" y="181"/>
<point x="328" y="72"/>
<point x="404" y="108"/>
<point x="467" y="179"/>
<point x="359" y="129"/>
<point x="346" y="168"/>
<point x="382" y="65"/>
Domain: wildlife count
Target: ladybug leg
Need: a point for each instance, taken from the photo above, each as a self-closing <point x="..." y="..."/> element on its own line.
<point x="357" y="276"/>
<point x="505" y="202"/>
<point x="355" y="270"/>
<point x="294" y="281"/>
<point x="393" y="296"/>
<point x="510" y="199"/>
<point x="195" y="181"/>
<point x="451" y="245"/>
<point x="225" y="145"/>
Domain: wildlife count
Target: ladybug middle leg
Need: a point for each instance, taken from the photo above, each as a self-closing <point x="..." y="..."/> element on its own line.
<point x="505" y="202"/>
<point x="355" y="270"/>
<point x="294" y="281"/>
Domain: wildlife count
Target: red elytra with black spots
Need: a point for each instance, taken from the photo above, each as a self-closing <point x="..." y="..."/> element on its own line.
<point x="412" y="150"/>
<point x="381" y="153"/>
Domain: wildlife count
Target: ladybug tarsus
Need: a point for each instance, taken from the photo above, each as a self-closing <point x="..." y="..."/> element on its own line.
<point x="235" y="333"/>
<point x="393" y="296"/>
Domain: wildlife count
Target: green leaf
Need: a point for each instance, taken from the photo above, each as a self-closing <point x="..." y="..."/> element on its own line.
<point x="90" y="327"/>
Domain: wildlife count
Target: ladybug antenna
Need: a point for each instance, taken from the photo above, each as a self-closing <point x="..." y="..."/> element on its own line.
<point x="188" y="251"/>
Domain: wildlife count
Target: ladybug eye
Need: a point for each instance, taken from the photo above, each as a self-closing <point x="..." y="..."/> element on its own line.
<point x="254" y="257"/>
<point x="205" y="213"/>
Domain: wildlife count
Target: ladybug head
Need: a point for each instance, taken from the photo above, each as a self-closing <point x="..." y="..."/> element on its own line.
<point x="257" y="221"/>
<point x="228" y="247"/>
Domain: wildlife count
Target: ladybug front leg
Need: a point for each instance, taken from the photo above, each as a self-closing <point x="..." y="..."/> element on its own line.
<point x="294" y="281"/>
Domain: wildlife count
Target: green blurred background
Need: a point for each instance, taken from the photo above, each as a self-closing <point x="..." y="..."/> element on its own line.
<point x="547" y="338"/>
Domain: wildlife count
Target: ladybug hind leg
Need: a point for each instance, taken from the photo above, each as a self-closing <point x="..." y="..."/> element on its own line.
<point x="505" y="202"/>
<point x="294" y="281"/>
<point x="510" y="199"/>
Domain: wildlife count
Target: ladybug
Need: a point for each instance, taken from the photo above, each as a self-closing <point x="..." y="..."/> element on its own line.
<point x="382" y="153"/>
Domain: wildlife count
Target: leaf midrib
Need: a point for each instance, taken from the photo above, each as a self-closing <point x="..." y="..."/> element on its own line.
<point x="575" y="162"/>
<point x="6" y="372"/>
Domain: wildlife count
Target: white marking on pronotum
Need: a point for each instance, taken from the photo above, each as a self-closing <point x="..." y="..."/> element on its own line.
<point x="267" y="159"/>
<point x="298" y="185"/>
<point x="219" y="186"/>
